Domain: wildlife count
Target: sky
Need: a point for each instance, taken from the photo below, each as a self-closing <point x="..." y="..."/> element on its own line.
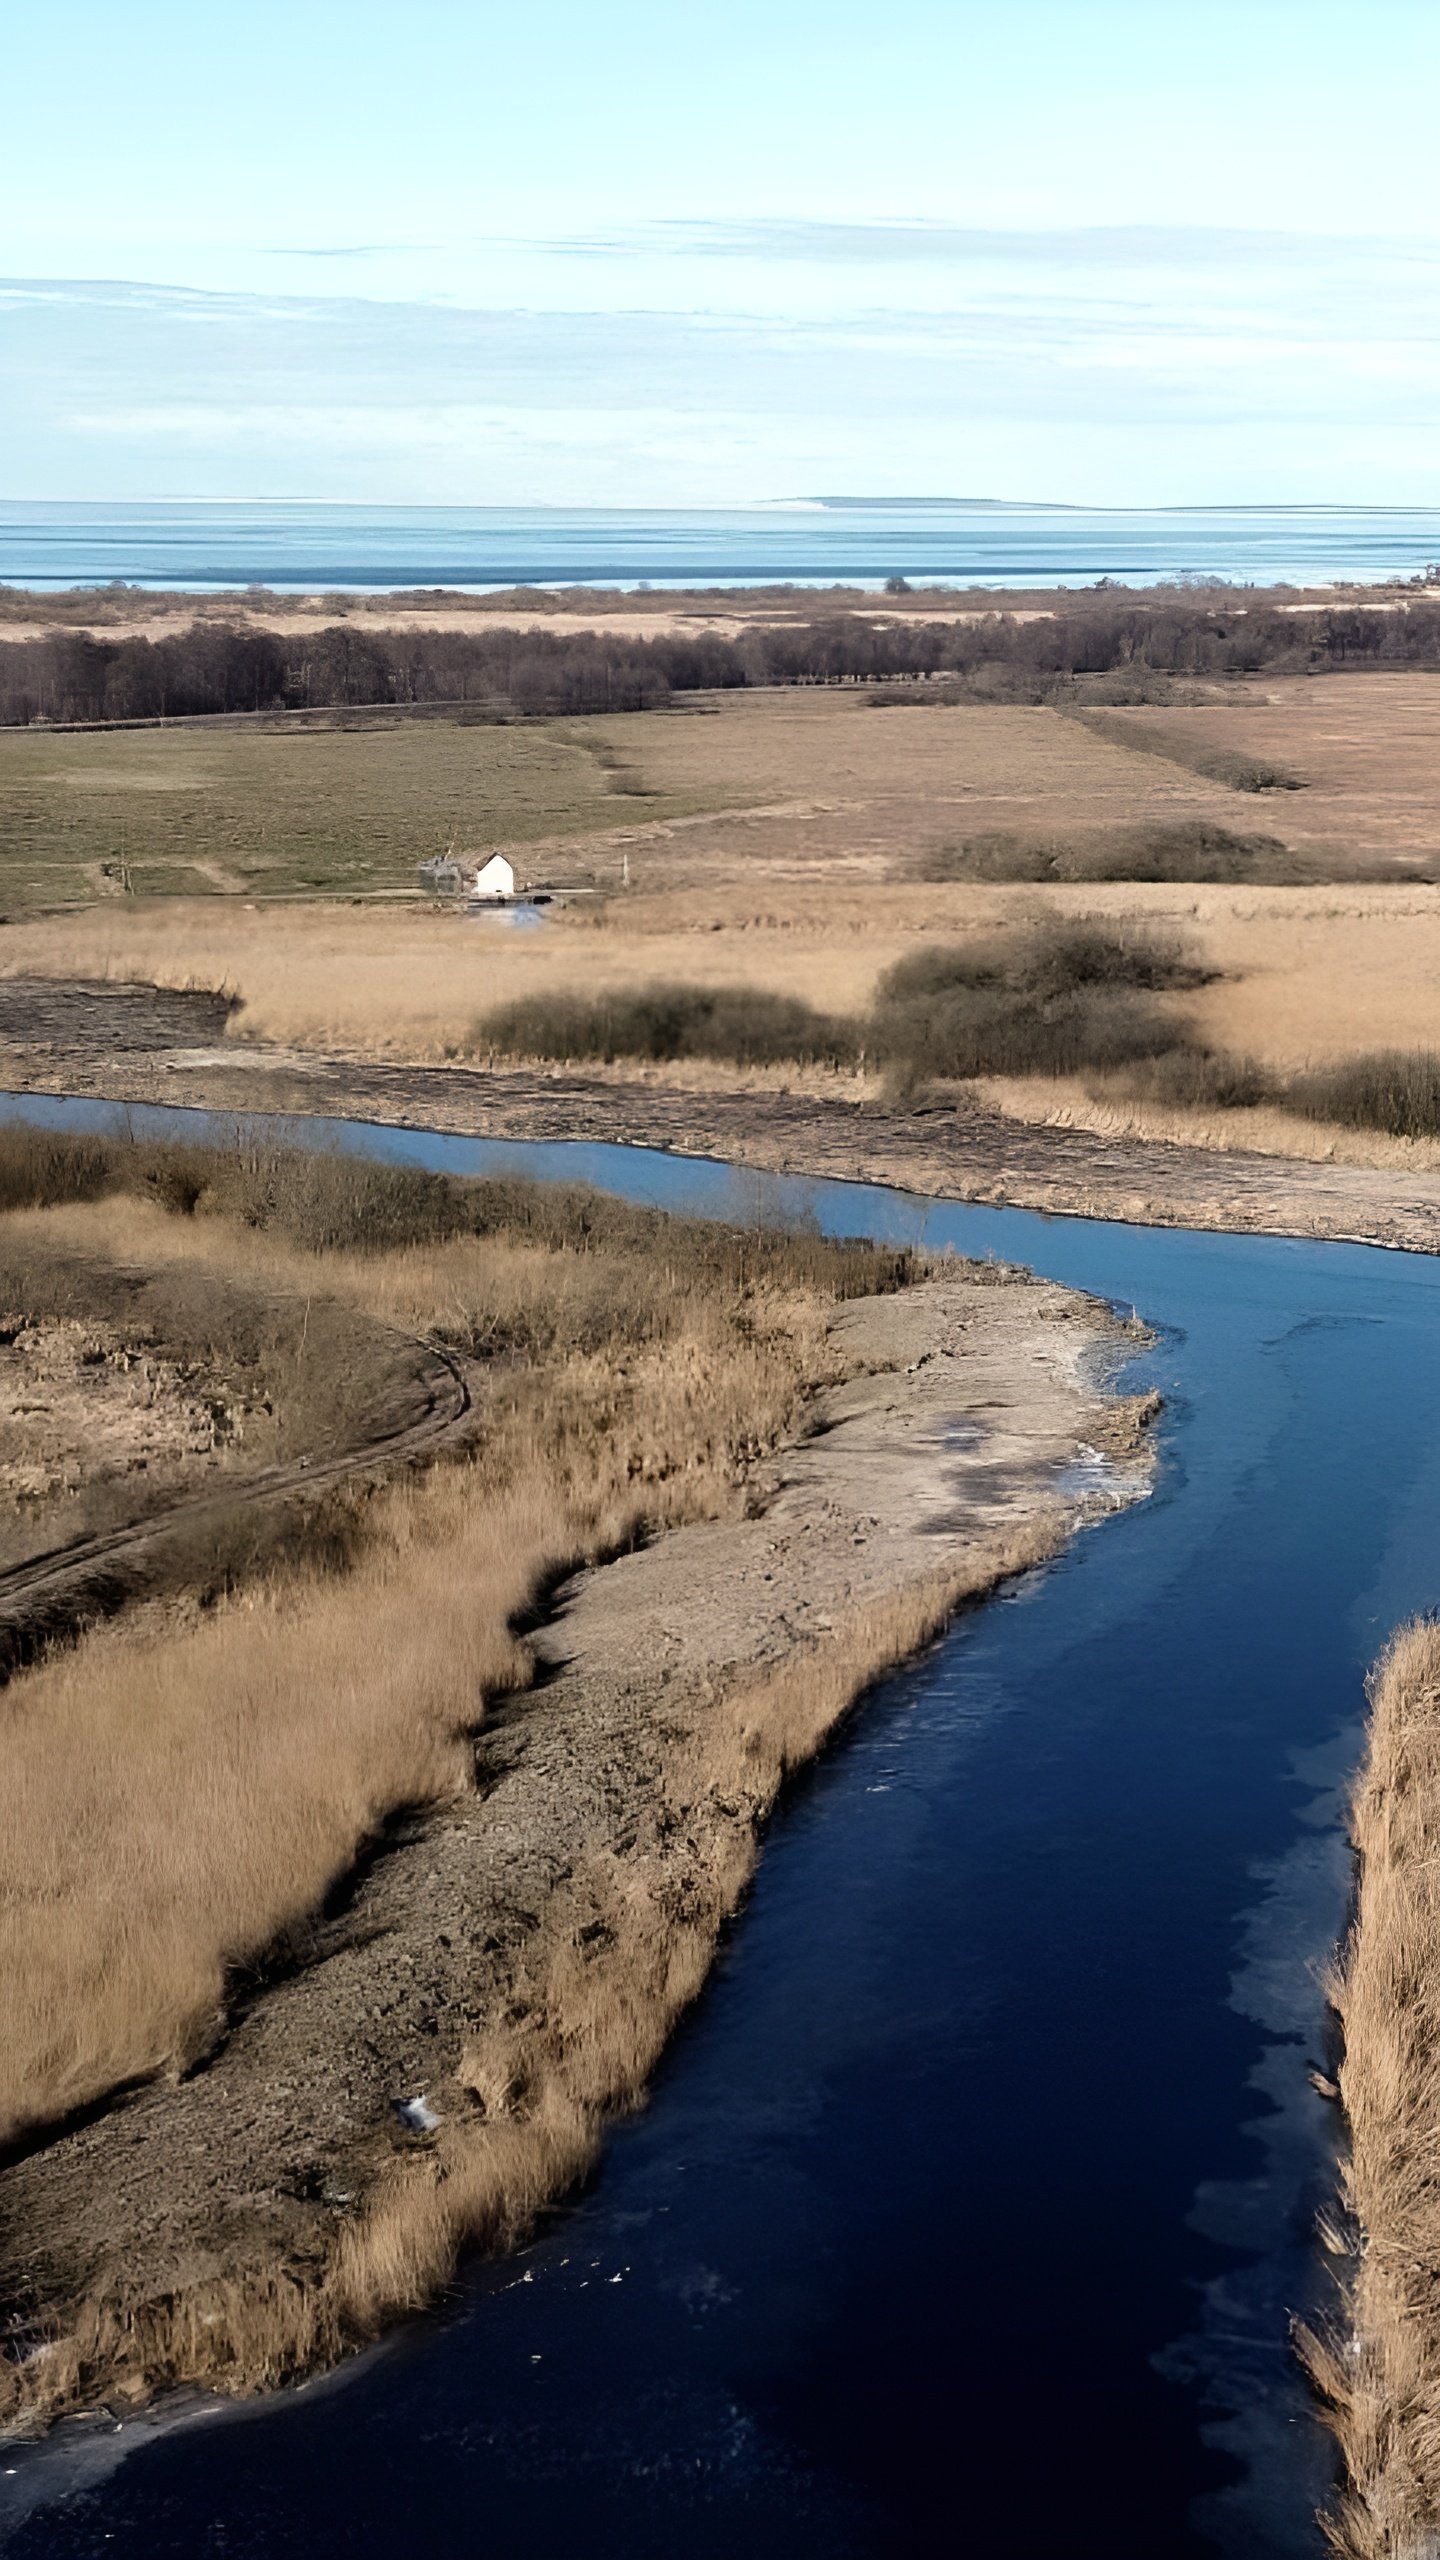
<point x="1104" y="252"/>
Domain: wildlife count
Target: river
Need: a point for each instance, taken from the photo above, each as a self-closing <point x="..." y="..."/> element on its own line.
<point x="975" y="2196"/>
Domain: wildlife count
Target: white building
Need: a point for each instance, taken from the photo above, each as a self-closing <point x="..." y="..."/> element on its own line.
<point x="494" y="879"/>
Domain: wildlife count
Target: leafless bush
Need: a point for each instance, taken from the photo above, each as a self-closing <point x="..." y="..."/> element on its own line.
<point x="1049" y="999"/>
<point x="1393" y="1089"/>
<point x="1045" y="999"/>
<point x="1189" y="849"/>
<point x="747" y="1026"/>
<point x="38" y="1169"/>
<point x="1192" y="1079"/>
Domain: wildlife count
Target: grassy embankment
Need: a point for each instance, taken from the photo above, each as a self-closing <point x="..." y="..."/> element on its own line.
<point x="177" y="1799"/>
<point x="1380" y="2371"/>
<point x="575" y="2046"/>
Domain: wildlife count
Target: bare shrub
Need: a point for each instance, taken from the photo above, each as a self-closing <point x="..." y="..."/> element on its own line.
<point x="993" y="680"/>
<point x="1188" y="849"/>
<point x="1191" y="1079"/>
<point x="1053" y="996"/>
<point x="1050" y="999"/>
<point x="1392" y="1089"/>
<point x="332" y="1202"/>
<point x="37" y="1168"/>
<point x="746" y="1026"/>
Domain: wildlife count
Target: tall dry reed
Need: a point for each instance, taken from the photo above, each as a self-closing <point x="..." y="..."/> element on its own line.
<point x="590" y="2016"/>
<point x="1379" y="2369"/>
<point x="173" y="1802"/>
<point x="171" y="1805"/>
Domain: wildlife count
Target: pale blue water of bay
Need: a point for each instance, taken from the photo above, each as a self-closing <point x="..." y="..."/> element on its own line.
<point x="289" y="545"/>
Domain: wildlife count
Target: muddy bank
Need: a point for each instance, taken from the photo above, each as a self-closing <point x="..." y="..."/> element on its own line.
<point x="515" y="1959"/>
<point x="967" y="1152"/>
<point x="83" y="1016"/>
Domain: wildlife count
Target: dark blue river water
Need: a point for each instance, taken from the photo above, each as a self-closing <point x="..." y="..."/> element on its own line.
<point x="975" y="2196"/>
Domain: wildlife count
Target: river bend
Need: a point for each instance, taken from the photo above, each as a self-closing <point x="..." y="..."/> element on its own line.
<point x="975" y="2196"/>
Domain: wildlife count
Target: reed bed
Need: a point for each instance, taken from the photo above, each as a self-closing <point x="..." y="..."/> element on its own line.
<point x="576" y="2045"/>
<point x="1397" y="1090"/>
<point x="1379" y="2368"/>
<point x="1052" y="994"/>
<point x="174" y="1802"/>
<point x="1192" y="850"/>
<point x="1112" y="1110"/>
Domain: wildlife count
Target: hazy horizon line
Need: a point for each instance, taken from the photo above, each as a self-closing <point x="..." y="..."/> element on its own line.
<point x="750" y="506"/>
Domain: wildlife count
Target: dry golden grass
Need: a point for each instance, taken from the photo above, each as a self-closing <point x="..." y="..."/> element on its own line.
<point x="1065" y="1103"/>
<point x="1308" y="974"/>
<point x="411" y="986"/>
<point x="1365" y="745"/>
<point x="1380" y="2374"/>
<point x="470" y="1291"/>
<point x="804" y="893"/>
<point x="176" y="1800"/>
<point x="593" y="2014"/>
<point x="171" y="1805"/>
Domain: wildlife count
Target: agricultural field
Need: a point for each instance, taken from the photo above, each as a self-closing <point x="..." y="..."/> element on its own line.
<point x="799" y="786"/>
<point x="292" y="812"/>
<point x="795" y="844"/>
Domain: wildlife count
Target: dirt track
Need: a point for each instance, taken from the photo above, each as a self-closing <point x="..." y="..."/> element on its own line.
<point x="42" y="1586"/>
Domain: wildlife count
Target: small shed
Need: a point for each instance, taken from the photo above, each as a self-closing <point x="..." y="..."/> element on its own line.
<point x="493" y="880"/>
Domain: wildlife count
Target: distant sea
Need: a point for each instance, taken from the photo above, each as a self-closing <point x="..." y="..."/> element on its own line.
<point x="857" y="541"/>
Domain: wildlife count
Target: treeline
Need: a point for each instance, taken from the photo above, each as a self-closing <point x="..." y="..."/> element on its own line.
<point x="217" y="667"/>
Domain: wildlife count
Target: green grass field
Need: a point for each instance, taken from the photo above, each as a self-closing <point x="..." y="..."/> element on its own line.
<point x="263" y="811"/>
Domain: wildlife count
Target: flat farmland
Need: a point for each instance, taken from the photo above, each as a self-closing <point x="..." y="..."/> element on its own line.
<point x="771" y="841"/>
<point x="267" y="811"/>
<point x="819" y="785"/>
<point x="749" y="789"/>
<point x="1366" y="750"/>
